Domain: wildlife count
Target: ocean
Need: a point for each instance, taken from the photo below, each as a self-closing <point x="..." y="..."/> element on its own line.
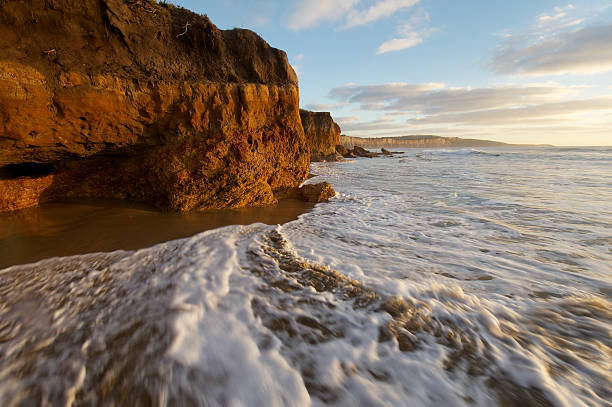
<point x="436" y="277"/>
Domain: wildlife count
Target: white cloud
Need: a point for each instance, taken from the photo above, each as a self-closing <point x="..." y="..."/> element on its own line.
<point x="344" y="120"/>
<point x="435" y="98"/>
<point x="558" y="43"/>
<point x="324" y="107"/>
<point x="583" y="51"/>
<point x="299" y="57"/>
<point x="384" y="91"/>
<point x="409" y="34"/>
<point x="375" y="125"/>
<point x="309" y="13"/>
<point x="381" y="9"/>
<point x="559" y="14"/>
<point x="398" y="44"/>
<point x="547" y="113"/>
<point x="544" y="19"/>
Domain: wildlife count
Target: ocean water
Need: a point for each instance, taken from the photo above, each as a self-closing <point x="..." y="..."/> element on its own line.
<point x="455" y="277"/>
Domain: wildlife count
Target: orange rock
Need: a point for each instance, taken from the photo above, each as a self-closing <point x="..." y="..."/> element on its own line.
<point x="124" y="107"/>
<point x="322" y="133"/>
<point x="320" y="192"/>
<point x="23" y="192"/>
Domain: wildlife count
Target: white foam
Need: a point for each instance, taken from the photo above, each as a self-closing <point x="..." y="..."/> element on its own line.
<point x="510" y="298"/>
<point x="217" y="333"/>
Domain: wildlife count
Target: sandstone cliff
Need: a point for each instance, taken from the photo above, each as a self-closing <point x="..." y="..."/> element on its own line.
<point x="416" y="142"/>
<point x="322" y="133"/>
<point x="134" y="100"/>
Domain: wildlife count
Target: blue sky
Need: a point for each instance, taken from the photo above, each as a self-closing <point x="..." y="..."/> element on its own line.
<point x="514" y="71"/>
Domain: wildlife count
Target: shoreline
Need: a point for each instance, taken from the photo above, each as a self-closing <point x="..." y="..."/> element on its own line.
<point x="88" y="226"/>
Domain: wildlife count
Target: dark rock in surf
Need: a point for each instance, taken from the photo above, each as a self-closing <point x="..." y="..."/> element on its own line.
<point x="362" y="152"/>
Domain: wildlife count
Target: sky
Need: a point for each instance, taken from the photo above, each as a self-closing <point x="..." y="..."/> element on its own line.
<point x="519" y="71"/>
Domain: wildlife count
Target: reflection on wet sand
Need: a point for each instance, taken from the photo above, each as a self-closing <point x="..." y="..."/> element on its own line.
<point x="64" y="229"/>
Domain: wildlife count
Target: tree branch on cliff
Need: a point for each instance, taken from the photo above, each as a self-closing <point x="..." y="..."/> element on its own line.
<point x="184" y="32"/>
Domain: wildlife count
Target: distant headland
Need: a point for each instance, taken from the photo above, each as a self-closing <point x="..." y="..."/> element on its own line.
<point x="422" y="141"/>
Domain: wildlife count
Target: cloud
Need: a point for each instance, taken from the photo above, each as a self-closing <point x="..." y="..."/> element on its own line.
<point x="381" y="9"/>
<point x="548" y="113"/>
<point x="436" y="98"/>
<point x="582" y="51"/>
<point x="387" y="92"/>
<point x="344" y="120"/>
<point x="557" y="44"/>
<point x="309" y="13"/>
<point x="409" y="34"/>
<point x="376" y="125"/>
<point x="398" y="44"/>
<point x="436" y="108"/>
<point x="324" y="107"/>
<point x="560" y="14"/>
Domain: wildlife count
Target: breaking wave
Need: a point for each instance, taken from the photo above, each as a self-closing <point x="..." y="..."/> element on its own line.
<point x="236" y="316"/>
<point x="399" y="291"/>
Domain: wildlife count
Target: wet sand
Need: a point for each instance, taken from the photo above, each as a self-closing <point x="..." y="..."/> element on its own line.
<point x="64" y="229"/>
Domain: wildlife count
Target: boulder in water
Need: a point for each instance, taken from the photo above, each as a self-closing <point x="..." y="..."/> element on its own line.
<point x="314" y="193"/>
<point x="362" y="152"/>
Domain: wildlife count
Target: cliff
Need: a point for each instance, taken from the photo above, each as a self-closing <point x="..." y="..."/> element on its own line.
<point x="322" y="133"/>
<point x="424" y="141"/>
<point x="134" y="100"/>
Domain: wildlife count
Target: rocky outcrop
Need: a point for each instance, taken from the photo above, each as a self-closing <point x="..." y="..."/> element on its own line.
<point x="322" y="133"/>
<point x="341" y="150"/>
<point x="358" y="151"/>
<point x="362" y="152"/>
<point x="135" y="100"/>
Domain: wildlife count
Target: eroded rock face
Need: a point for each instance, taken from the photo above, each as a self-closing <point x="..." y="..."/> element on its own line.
<point x="133" y="100"/>
<point x="322" y="133"/>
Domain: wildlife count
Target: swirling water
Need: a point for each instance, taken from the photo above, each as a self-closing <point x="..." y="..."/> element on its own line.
<point x="436" y="277"/>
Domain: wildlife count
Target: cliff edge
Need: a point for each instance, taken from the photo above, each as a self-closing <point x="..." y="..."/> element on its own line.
<point x="135" y="100"/>
<point x="322" y="134"/>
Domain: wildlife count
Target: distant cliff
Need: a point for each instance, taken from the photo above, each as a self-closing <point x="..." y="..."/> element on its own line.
<point x="143" y="101"/>
<point x="423" y="141"/>
<point x="322" y="133"/>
